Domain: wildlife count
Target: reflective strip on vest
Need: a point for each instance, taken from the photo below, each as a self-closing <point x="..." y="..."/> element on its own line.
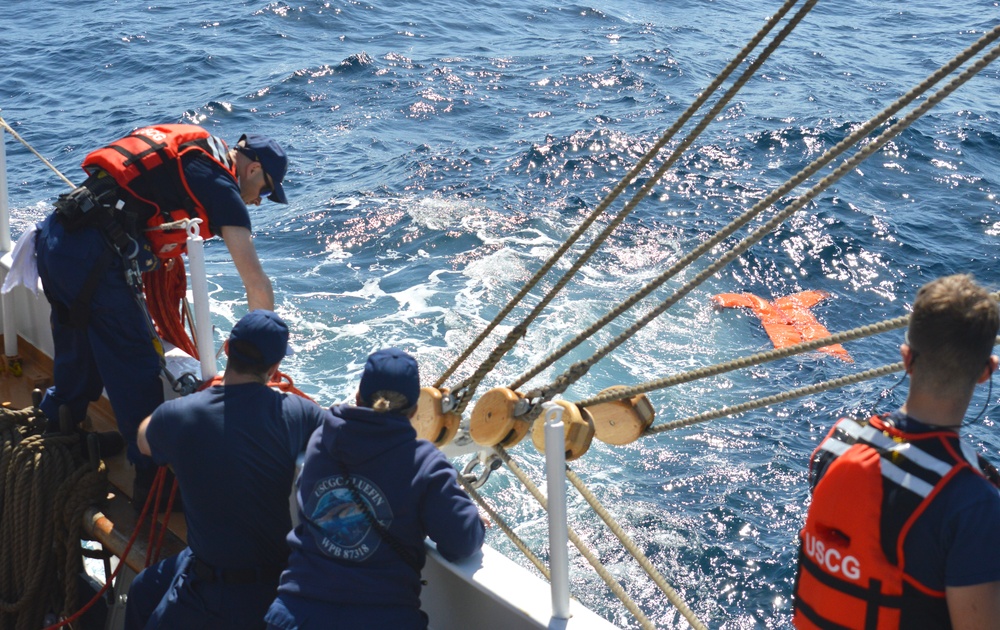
<point x="872" y="436"/>
<point x="904" y="479"/>
<point x="218" y="149"/>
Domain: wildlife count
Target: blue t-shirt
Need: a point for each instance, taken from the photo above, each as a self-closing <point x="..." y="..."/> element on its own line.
<point x="218" y="192"/>
<point x="954" y="543"/>
<point x="233" y="449"/>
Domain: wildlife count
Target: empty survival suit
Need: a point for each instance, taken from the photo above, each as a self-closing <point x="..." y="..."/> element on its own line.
<point x="870" y="483"/>
<point x="148" y="167"/>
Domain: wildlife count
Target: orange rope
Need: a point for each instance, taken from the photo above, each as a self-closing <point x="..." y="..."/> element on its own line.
<point x="165" y="288"/>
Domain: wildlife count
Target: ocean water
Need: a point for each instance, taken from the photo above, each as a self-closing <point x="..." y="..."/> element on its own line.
<point x="440" y="153"/>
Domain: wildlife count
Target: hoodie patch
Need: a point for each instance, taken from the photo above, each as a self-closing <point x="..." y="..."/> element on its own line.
<point x="345" y="532"/>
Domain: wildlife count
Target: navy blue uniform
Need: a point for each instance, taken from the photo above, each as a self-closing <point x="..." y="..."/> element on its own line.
<point x="341" y="572"/>
<point x="115" y="349"/>
<point x="233" y="449"/>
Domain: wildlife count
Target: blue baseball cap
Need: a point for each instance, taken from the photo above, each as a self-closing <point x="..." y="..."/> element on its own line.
<point x="391" y="370"/>
<point x="259" y="338"/>
<point x="272" y="157"/>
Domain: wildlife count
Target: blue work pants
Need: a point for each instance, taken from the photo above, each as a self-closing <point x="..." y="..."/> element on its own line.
<point x="168" y="595"/>
<point x="114" y="350"/>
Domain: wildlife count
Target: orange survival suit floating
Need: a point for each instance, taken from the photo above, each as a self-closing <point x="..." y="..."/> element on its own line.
<point x="787" y="320"/>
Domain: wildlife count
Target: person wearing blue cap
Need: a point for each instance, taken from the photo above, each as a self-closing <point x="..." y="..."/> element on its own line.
<point x="124" y="220"/>
<point x="233" y="448"/>
<point x="369" y="493"/>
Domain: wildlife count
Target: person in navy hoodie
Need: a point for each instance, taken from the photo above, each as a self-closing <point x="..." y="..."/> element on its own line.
<point x="369" y="494"/>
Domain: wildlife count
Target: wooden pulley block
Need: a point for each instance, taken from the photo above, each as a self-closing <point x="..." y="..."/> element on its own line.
<point x="622" y="421"/>
<point x="578" y="428"/>
<point x="430" y="422"/>
<point x="493" y="421"/>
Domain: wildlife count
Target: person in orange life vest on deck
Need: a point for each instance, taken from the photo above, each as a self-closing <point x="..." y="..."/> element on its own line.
<point x="91" y="250"/>
<point x="233" y="448"/>
<point x="904" y="526"/>
<point x="368" y="495"/>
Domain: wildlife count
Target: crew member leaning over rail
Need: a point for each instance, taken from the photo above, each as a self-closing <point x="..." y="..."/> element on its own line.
<point x="93" y="247"/>
<point x="904" y="524"/>
<point x="233" y="448"/>
<point x="368" y="495"/>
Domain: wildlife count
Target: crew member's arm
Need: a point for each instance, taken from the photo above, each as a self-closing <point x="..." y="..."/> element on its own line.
<point x="142" y="440"/>
<point x="260" y="293"/>
<point x="974" y="607"/>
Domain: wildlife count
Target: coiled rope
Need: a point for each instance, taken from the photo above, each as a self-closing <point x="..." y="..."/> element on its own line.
<point x="47" y="486"/>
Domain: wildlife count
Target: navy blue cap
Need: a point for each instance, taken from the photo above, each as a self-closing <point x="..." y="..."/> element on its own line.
<point x="264" y="332"/>
<point x="391" y="370"/>
<point x="272" y="157"/>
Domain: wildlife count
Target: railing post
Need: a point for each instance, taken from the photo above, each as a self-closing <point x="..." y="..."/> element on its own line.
<point x="555" y="473"/>
<point x="4" y="204"/>
<point x="202" y="312"/>
<point x="6" y="300"/>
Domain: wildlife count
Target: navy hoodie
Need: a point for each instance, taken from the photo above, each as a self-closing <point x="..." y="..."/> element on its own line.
<point x="407" y="484"/>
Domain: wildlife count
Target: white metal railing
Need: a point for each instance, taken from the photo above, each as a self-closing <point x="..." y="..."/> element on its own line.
<point x="555" y="477"/>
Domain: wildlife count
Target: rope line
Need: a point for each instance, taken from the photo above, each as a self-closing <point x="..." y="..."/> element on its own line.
<point x="585" y="551"/>
<point x="505" y="528"/>
<point x="47" y="487"/>
<point x="744" y="362"/>
<point x="647" y="187"/>
<point x="580" y="368"/>
<point x="791" y="394"/>
<point x="17" y="136"/>
<point x="519" y="331"/>
<point x="634" y="550"/>
<point x="785" y="396"/>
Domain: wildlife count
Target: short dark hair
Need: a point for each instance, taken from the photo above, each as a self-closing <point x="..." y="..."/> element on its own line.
<point x="953" y="328"/>
<point x="247" y="349"/>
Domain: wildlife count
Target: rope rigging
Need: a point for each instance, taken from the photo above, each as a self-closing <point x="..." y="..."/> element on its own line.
<point x="579" y="369"/>
<point x="470" y="384"/>
<point x="576" y="371"/>
<point x="165" y="291"/>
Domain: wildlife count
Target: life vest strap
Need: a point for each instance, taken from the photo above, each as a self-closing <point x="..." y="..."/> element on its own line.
<point x="136" y="158"/>
<point x="875" y="600"/>
<point x="816" y="619"/>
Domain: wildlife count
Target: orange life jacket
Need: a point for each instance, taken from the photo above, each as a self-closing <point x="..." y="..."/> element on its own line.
<point x="147" y="164"/>
<point x="871" y="482"/>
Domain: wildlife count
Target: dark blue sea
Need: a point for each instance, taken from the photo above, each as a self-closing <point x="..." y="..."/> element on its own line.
<point x="440" y="153"/>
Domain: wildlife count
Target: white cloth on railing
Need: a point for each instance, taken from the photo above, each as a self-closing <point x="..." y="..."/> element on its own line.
<point x="23" y="265"/>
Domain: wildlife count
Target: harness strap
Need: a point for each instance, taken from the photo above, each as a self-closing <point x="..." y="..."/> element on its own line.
<point x="254" y="575"/>
<point x="79" y="310"/>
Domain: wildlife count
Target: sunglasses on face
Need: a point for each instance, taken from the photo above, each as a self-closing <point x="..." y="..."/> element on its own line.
<point x="268" y="182"/>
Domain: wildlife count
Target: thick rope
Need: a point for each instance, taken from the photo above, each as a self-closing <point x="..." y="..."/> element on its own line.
<point x="45" y="484"/>
<point x="633" y="549"/>
<point x="505" y="528"/>
<point x="785" y="396"/>
<point x="744" y="362"/>
<point x="580" y="368"/>
<point x="518" y="331"/>
<point x="585" y="551"/>
<point x="647" y="187"/>
<point x="85" y="488"/>
<point x="791" y="394"/>
<point x="3" y="123"/>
